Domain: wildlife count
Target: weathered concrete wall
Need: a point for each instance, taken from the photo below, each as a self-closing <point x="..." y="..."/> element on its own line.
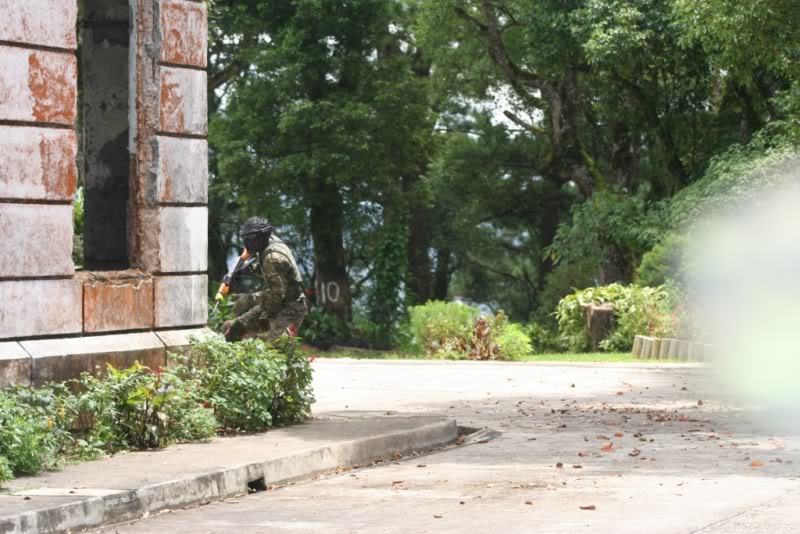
<point x="182" y="172"/>
<point x="40" y="22"/>
<point x="38" y="106"/>
<point x="117" y="301"/>
<point x="143" y="132"/>
<point x="44" y="237"/>
<point x="181" y="300"/>
<point x="38" y="86"/>
<point x="31" y="308"/>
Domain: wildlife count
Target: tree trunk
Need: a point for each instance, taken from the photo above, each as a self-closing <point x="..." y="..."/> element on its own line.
<point x="327" y="230"/>
<point x="419" y="263"/>
<point x="441" y="279"/>
<point x="548" y="226"/>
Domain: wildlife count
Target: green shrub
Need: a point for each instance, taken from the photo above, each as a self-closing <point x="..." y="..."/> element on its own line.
<point x="437" y="325"/>
<point x="6" y="473"/>
<point x="146" y="408"/>
<point x="667" y="261"/>
<point x="544" y="340"/>
<point x="252" y="385"/>
<point x="638" y="310"/>
<point x="324" y="330"/>
<point x="563" y="280"/>
<point x="27" y="440"/>
<point x="513" y="343"/>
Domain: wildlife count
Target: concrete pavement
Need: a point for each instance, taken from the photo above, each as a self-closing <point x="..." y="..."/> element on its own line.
<point x="585" y="448"/>
<point x="129" y="486"/>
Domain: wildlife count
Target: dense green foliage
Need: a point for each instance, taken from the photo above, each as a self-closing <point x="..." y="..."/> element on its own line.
<point x="456" y="331"/>
<point x="246" y="386"/>
<point x="251" y="385"/>
<point x="505" y="152"/>
<point x="638" y="310"/>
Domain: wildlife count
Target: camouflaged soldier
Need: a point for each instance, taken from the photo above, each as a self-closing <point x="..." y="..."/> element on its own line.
<point x="280" y="308"/>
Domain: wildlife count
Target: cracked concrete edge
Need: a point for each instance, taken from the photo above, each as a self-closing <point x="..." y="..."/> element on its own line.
<point x="224" y="483"/>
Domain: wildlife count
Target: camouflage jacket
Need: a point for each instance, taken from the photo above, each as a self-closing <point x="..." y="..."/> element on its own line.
<point x="284" y="285"/>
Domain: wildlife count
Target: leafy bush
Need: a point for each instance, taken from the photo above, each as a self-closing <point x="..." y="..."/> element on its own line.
<point x="732" y="179"/>
<point x="324" y="330"/>
<point x="609" y="229"/>
<point x="455" y="331"/>
<point x="26" y="438"/>
<point x="667" y="261"/>
<point x="148" y="409"/>
<point x="6" y="472"/>
<point x="638" y="310"/>
<point x="513" y="342"/>
<point x="251" y="385"/>
<point x="441" y="325"/>
<point x="544" y="339"/>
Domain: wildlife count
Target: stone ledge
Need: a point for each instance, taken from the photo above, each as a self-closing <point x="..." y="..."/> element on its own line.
<point x="15" y="365"/>
<point x="177" y="341"/>
<point x="55" y="360"/>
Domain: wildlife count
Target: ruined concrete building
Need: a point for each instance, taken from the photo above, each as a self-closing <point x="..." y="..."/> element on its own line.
<point x="110" y="94"/>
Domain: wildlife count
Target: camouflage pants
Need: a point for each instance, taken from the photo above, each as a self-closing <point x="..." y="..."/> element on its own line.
<point x="270" y="328"/>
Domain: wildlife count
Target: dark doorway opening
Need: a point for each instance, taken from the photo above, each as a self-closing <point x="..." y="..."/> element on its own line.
<point x="103" y="129"/>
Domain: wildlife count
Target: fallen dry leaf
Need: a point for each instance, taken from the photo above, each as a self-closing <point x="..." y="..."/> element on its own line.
<point x="559" y="465"/>
<point x="700" y="403"/>
<point x="608" y="447"/>
<point x="590" y="507"/>
<point x="422" y="465"/>
<point x="620" y="393"/>
<point x="437" y="516"/>
<point x="635" y="452"/>
<point x="397" y="482"/>
<point x="756" y="463"/>
<point x="619" y="434"/>
<point x="528" y="502"/>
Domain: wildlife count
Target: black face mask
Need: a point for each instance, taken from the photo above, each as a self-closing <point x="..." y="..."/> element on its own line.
<point x="255" y="243"/>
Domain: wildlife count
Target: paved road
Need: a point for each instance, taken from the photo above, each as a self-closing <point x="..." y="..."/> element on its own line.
<point x="584" y="448"/>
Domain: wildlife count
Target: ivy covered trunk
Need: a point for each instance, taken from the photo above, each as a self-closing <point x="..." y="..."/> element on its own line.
<point x="332" y="288"/>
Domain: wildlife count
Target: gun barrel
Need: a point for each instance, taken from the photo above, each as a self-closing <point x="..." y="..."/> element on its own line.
<point x="225" y="286"/>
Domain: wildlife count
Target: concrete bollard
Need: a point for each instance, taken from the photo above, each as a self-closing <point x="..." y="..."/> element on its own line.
<point x="637" y="347"/>
<point x="683" y="350"/>
<point x="646" y="344"/>
<point x="674" y="349"/>
<point x="696" y="352"/>
<point x="656" y="350"/>
<point x="663" y="354"/>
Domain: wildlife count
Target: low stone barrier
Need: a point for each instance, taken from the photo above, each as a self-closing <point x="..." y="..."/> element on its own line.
<point x="654" y="348"/>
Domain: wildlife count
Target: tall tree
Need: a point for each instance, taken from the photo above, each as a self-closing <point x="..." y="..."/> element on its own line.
<point x="322" y="119"/>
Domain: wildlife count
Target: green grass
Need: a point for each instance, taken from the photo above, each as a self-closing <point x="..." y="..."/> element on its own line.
<point x="593" y="357"/>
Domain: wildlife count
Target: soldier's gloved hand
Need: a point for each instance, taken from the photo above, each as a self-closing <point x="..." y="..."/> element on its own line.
<point x="232" y="330"/>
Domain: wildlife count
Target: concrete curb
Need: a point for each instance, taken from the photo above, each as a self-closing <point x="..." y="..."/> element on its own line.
<point x="127" y="505"/>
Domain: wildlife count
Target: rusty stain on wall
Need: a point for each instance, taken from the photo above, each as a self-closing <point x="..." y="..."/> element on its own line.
<point x="59" y="173"/>
<point x="51" y="79"/>
<point x="184" y="31"/>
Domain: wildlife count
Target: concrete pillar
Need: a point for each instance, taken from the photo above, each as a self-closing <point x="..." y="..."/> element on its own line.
<point x="663" y="353"/>
<point x="683" y="352"/>
<point x="656" y="348"/>
<point x="637" y="346"/>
